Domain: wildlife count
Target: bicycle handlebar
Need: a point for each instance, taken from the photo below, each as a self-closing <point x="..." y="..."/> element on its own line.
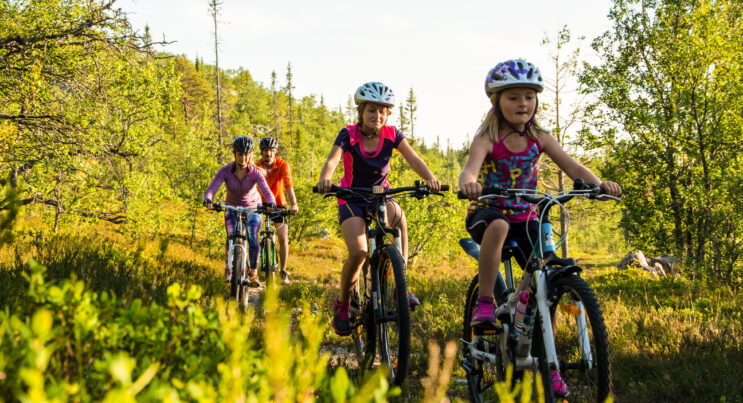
<point x="419" y="188"/>
<point x="580" y="188"/>
<point x="278" y="211"/>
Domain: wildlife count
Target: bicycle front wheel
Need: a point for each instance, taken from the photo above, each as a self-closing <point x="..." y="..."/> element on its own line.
<point x="581" y="342"/>
<point x="393" y="328"/>
<point x="236" y="274"/>
<point x="268" y="251"/>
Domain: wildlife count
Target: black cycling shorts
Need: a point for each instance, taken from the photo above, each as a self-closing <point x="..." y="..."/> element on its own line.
<point x="478" y="222"/>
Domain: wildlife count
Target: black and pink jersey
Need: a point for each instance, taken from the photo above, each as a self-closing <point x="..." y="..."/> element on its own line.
<point x="364" y="168"/>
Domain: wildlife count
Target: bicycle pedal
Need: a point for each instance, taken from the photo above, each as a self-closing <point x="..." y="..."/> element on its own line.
<point x="487" y="329"/>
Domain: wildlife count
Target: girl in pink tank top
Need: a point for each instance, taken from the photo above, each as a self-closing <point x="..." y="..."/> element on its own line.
<point x="505" y="152"/>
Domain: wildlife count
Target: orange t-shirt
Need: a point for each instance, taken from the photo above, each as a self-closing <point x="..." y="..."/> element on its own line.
<point x="278" y="179"/>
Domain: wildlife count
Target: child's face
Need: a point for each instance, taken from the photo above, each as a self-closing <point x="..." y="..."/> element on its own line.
<point x="518" y="105"/>
<point x="374" y="117"/>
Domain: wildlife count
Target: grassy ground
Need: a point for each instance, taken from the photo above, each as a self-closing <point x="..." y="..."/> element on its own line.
<point x="671" y="339"/>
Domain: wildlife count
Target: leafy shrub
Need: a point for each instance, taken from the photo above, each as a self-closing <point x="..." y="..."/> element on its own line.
<point x="69" y="343"/>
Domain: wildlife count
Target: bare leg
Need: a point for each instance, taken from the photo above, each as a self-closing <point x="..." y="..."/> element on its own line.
<point x="354" y="233"/>
<point x="282" y="235"/>
<point x="490" y="255"/>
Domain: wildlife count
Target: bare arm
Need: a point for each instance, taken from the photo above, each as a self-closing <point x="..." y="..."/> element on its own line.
<point x="323" y="184"/>
<point x="418" y="165"/>
<point x="468" y="184"/>
<point x="292" y="200"/>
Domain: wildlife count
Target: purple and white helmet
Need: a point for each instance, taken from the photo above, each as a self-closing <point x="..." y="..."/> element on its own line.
<point x="513" y="73"/>
<point x="374" y="92"/>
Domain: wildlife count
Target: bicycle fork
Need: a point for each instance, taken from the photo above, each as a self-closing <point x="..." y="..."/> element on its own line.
<point x="548" y="332"/>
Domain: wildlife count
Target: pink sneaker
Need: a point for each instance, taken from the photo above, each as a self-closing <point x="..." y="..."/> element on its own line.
<point x="484" y="312"/>
<point x="341" y="324"/>
<point x="559" y="388"/>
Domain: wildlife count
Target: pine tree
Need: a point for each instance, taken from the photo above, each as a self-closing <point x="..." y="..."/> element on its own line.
<point x="289" y="88"/>
<point x="275" y="110"/>
<point x="411" y="107"/>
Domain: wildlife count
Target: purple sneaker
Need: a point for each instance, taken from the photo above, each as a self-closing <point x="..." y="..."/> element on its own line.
<point x="484" y="312"/>
<point x="559" y="388"/>
<point x="341" y="324"/>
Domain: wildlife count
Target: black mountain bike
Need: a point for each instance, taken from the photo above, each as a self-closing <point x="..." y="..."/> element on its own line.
<point x="379" y="311"/>
<point x="269" y="263"/>
<point x="568" y="328"/>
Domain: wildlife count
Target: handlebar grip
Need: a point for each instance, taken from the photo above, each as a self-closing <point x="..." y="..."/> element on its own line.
<point x="461" y="195"/>
<point x="444" y="188"/>
<point x="333" y="189"/>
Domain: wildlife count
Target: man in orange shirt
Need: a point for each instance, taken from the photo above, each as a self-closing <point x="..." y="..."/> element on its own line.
<point x="279" y="179"/>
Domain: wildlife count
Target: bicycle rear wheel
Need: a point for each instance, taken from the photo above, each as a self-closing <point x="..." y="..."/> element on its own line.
<point x="481" y="375"/>
<point x="581" y="342"/>
<point x="394" y="327"/>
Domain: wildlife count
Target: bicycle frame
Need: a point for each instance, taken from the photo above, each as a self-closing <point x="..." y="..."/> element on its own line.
<point x="542" y="268"/>
<point x="239" y="235"/>
<point x="269" y="256"/>
<point x="374" y="236"/>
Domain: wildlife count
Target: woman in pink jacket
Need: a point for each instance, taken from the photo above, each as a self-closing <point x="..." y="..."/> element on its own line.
<point x="243" y="181"/>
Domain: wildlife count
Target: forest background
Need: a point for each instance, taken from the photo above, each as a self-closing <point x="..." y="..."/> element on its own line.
<point x="107" y="146"/>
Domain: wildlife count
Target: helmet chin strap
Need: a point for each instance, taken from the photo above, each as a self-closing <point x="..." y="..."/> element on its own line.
<point x="363" y="133"/>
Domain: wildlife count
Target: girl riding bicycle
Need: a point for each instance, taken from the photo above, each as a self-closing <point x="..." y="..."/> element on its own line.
<point x="505" y="152"/>
<point x="366" y="149"/>
<point x="242" y="180"/>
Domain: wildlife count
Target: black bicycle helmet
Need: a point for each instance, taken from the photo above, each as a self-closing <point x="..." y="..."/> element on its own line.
<point x="269" y="142"/>
<point x="242" y="144"/>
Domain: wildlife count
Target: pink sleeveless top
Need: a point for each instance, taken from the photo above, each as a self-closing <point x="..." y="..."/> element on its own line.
<point x="512" y="170"/>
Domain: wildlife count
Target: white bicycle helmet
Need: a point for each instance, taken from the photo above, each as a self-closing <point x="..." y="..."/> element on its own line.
<point x="513" y="73"/>
<point x="374" y="92"/>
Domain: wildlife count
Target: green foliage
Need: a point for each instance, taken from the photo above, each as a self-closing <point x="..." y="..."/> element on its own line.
<point x="69" y="343"/>
<point x="668" y="117"/>
<point x="672" y="338"/>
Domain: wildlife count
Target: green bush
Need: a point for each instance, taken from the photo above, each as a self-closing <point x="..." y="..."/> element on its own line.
<point x="69" y="343"/>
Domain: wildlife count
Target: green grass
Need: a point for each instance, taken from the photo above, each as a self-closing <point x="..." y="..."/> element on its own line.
<point x="671" y="338"/>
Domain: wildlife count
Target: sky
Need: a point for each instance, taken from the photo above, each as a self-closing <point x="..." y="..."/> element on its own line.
<point x="441" y="49"/>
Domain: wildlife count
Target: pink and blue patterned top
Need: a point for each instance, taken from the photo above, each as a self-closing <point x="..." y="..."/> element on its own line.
<point x="508" y="169"/>
<point x="364" y="168"/>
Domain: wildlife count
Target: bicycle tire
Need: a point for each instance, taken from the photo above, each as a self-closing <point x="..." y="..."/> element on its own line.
<point x="363" y="331"/>
<point x="481" y="376"/>
<point x="268" y="250"/>
<point x="236" y="272"/>
<point x="586" y="381"/>
<point x="394" y="334"/>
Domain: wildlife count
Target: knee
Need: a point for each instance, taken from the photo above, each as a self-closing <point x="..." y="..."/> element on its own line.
<point x="498" y="226"/>
<point x="357" y="257"/>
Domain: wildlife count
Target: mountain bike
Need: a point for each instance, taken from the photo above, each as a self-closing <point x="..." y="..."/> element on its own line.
<point x="379" y="311"/>
<point x="268" y="259"/>
<point x="569" y="334"/>
<point x="237" y="252"/>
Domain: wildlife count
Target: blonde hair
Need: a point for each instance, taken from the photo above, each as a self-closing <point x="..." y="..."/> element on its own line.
<point x="360" y="110"/>
<point x="491" y="125"/>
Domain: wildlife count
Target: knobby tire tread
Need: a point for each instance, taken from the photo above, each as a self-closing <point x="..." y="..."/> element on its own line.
<point x="600" y="341"/>
<point x="392" y="255"/>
